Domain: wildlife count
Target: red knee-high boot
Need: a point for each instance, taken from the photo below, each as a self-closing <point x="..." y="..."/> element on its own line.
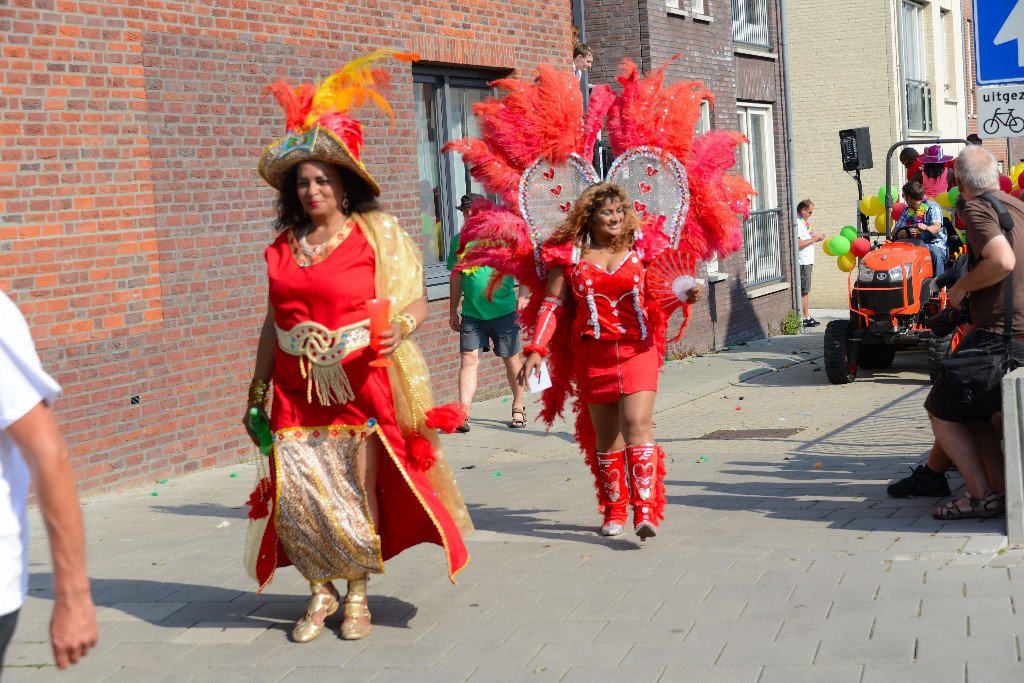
<point x="612" y="491"/>
<point x="646" y="466"/>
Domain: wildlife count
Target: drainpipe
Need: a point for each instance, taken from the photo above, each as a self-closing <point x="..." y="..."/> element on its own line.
<point x="791" y="171"/>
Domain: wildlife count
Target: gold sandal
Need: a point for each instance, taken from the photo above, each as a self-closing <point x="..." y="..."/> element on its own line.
<point x="356" y="624"/>
<point x="306" y="628"/>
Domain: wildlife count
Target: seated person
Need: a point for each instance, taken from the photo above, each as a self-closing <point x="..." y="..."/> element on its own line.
<point x="922" y="219"/>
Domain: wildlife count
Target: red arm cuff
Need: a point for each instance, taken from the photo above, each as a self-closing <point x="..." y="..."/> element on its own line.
<point x="547" y="321"/>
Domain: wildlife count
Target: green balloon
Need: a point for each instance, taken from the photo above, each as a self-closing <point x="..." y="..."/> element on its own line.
<point x="838" y="245"/>
<point x="849" y="232"/>
<point x="893" y="192"/>
<point x="953" y="194"/>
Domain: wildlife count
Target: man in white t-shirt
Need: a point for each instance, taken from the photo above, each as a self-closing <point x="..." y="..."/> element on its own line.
<point x="805" y="259"/>
<point x="31" y="446"/>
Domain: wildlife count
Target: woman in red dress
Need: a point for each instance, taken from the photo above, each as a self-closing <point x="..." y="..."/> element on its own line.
<point x="356" y="475"/>
<point x="616" y="359"/>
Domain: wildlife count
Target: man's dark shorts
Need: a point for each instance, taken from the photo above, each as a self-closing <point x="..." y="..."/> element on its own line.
<point x="805" y="278"/>
<point x="937" y="403"/>
<point x="478" y="334"/>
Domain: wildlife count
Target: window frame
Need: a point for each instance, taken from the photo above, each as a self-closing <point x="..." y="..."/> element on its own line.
<point x="443" y="79"/>
<point x="768" y="155"/>
<point x="914" y="63"/>
<point x="753" y="34"/>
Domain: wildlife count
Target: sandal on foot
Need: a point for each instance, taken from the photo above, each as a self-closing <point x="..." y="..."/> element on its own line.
<point x="980" y="508"/>
<point x="321" y="606"/>
<point x="518" y="422"/>
<point x="464" y="427"/>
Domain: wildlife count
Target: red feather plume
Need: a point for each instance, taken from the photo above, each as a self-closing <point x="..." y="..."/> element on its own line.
<point x="296" y="102"/>
<point x="446" y="417"/>
<point x="421" y="453"/>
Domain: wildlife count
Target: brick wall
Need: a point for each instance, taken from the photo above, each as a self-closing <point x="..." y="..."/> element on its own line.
<point x="132" y="220"/>
<point x="649" y="34"/>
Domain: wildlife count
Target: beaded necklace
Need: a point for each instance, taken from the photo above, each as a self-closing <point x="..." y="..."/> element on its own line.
<point x="307" y="255"/>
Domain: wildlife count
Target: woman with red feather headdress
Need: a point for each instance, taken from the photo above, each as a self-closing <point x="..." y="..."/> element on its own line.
<point x="608" y="263"/>
<point x="355" y="469"/>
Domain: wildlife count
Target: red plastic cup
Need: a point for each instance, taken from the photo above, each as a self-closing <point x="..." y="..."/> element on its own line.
<point x="379" y="311"/>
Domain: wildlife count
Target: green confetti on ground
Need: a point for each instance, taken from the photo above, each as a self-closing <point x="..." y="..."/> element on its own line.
<point x="497" y="474"/>
<point x="703" y="458"/>
<point x="234" y="474"/>
<point x="161" y="481"/>
<point x="505" y="400"/>
<point x="154" y="493"/>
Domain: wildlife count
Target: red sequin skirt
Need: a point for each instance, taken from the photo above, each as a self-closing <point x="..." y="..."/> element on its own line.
<point x="609" y="368"/>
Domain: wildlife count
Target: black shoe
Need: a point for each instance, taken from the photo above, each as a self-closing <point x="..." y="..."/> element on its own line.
<point x="810" y="322"/>
<point x="919" y="484"/>
<point x="464" y="427"/>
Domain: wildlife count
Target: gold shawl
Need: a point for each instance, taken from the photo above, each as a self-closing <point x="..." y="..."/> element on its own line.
<point x="399" y="275"/>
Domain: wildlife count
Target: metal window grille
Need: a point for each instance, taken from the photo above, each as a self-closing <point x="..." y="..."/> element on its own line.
<point x="750" y="22"/>
<point x="761" y="243"/>
<point x="919" y="105"/>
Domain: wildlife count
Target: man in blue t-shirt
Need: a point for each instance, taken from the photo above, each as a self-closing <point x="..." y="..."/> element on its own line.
<point x="484" y="321"/>
<point x="922" y="219"/>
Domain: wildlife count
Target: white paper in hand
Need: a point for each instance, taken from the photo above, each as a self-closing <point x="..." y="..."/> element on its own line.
<point x="539" y="383"/>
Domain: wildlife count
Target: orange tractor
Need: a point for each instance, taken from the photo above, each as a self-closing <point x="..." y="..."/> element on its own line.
<point x="892" y="294"/>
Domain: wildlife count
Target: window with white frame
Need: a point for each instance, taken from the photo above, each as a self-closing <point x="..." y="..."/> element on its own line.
<point x="757" y="157"/>
<point x="704" y="120"/>
<point x="443" y="101"/>
<point x="750" y="22"/>
<point x="918" y="96"/>
<point x="949" y="53"/>
<point x="761" y="236"/>
<point x="698" y="6"/>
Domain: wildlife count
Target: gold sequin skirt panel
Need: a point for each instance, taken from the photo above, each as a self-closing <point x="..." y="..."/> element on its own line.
<point x="322" y="514"/>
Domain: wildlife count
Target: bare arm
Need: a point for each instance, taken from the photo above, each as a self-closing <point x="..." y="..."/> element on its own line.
<point x="73" y="630"/>
<point x="454" y="298"/>
<point x="264" y="365"/>
<point x="997" y="262"/>
<point x="265" y="350"/>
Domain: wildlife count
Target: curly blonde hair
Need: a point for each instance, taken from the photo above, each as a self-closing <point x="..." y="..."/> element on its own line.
<point x="576" y="227"/>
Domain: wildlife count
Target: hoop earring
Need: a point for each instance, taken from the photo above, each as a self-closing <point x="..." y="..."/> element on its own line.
<point x="344" y="205"/>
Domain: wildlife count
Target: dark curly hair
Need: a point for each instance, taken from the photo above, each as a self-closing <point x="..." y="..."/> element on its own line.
<point x="577" y="226"/>
<point x="290" y="213"/>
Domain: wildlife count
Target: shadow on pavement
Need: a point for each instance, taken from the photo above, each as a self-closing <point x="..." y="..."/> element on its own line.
<point x="178" y="605"/>
<point x="501" y="520"/>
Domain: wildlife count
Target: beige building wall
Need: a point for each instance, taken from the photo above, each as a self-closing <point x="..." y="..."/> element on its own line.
<point x="844" y="73"/>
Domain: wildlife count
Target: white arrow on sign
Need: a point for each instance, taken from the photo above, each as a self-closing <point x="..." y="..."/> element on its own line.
<point x="1013" y="29"/>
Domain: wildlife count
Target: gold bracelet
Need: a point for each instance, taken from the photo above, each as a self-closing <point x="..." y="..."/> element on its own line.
<point x="258" y="392"/>
<point x="407" y="323"/>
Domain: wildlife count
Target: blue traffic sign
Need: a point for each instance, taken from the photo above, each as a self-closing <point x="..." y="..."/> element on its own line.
<point x="999" y="41"/>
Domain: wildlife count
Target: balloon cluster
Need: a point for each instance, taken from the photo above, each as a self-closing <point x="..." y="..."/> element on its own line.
<point x="1009" y="185"/>
<point x="847" y="247"/>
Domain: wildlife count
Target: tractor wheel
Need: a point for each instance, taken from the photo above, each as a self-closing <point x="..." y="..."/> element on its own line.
<point x="875" y="356"/>
<point x="938" y="348"/>
<point x="840" y="368"/>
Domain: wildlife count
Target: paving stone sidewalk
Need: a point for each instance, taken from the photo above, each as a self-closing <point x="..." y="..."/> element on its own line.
<point x="780" y="558"/>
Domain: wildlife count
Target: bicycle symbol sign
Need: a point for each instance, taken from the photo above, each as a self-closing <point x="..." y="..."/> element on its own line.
<point x="1001" y="111"/>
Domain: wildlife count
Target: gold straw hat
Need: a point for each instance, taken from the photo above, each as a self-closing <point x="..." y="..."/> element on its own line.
<point x="318" y="125"/>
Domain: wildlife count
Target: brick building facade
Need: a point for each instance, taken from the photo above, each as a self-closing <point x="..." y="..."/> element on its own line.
<point x="132" y="220"/>
<point x="734" y="48"/>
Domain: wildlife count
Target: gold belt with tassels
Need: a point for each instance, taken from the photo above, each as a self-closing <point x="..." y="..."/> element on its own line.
<point x="320" y="351"/>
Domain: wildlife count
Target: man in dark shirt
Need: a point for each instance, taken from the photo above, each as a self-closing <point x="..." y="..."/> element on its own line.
<point x="973" y="442"/>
